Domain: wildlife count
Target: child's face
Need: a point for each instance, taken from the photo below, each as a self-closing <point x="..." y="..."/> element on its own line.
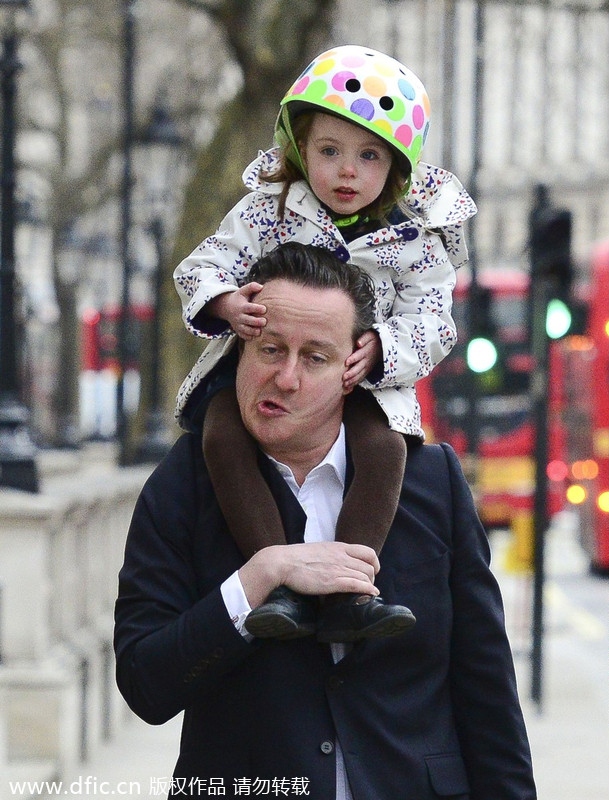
<point x="347" y="165"/>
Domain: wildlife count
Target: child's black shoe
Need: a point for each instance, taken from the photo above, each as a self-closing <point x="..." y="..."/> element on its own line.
<point x="351" y="617"/>
<point x="284" y="615"/>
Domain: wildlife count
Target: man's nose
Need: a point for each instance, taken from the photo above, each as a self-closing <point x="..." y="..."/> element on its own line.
<point x="287" y="376"/>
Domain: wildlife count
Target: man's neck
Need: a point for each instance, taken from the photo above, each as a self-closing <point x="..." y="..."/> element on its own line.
<point x="302" y="463"/>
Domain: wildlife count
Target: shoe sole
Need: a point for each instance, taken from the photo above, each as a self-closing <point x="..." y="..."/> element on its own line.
<point x="382" y="629"/>
<point x="276" y="626"/>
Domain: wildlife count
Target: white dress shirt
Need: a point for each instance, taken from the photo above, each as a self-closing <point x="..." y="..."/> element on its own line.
<point x="321" y="497"/>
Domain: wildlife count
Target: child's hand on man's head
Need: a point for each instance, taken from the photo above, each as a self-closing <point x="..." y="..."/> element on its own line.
<point x="366" y="355"/>
<point x="238" y="308"/>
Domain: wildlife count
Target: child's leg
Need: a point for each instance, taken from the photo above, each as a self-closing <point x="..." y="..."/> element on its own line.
<point x="243" y="495"/>
<point x="379" y="459"/>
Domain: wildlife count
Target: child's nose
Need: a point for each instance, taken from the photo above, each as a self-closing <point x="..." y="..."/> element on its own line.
<point x="348" y="167"/>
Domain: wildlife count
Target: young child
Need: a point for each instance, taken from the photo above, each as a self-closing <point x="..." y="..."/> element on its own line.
<point x="345" y="176"/>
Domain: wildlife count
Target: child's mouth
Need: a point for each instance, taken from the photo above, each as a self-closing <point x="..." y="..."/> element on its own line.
<point x="345" y="193"/>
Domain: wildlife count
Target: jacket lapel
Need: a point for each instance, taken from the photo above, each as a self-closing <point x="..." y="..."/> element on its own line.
<point x="292" y="515"/>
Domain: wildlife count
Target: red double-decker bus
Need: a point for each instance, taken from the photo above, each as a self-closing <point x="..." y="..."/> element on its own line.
<point x="503" y="472"/>
<point x="583" y="362"/>
<point x="498" y="415"/>
<point x="101" y="366"/>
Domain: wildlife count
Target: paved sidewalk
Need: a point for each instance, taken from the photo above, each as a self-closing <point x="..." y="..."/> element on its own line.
<point x="136" y="763"/>
<point x="569" y="738"/>
<point x="569" y="735"/>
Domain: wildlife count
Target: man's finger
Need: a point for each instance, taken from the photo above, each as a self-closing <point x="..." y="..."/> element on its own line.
<point x="364" y="553"/>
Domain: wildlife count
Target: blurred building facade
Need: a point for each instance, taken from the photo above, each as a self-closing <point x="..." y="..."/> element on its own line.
<point x="520" y="95"/>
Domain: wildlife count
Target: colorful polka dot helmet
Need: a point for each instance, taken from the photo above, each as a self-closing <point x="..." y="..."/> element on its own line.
<point x="366" y="87"/>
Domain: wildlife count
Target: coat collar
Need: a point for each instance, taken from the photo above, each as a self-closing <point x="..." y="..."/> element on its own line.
<point x="292" y="515"/>
<point x="436" y="198"/>
<point x="302" y="201"/>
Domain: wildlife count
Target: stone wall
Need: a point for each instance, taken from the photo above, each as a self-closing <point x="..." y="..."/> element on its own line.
<point x="60" y="552"/>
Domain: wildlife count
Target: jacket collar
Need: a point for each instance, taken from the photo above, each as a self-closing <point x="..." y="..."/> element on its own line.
<point x="436" y="199"/>
<point x="435" y="194"/>
<point x="292" y="515"/>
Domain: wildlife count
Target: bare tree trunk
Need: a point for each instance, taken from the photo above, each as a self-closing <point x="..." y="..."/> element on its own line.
<point x="272" y="41"/>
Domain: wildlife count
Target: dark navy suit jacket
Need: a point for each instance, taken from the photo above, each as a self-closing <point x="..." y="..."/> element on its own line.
<point x="433" y="713"/>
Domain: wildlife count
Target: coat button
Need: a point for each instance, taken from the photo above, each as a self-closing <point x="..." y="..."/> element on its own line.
<point x="342" y="253"/>
<point x="409" y="234"/>
<point x="326" y="747"/>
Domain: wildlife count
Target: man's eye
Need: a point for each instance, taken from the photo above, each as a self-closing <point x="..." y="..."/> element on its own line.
<point x="317" y="359"/>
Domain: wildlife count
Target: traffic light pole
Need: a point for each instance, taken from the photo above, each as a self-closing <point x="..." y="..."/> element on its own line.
<point x="551" y="277"/>
<point x="540" y="291"/>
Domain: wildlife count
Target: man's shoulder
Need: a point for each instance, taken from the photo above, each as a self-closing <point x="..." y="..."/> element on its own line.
<point x="429" y="460"/>
<point x="181" y="472"/>
<point x="185" y="449"/>
<point x="425" y="450"/>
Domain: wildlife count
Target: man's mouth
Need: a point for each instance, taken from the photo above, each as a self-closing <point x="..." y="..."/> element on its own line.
<point x="269" y="408"/>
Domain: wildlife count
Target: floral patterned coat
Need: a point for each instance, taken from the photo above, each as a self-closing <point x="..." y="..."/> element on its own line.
<point x="412" y="264"/>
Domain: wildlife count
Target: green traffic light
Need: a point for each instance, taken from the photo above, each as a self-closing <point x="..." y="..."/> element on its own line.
<point x="558" y="319"/>
<point x="481" y="354"/>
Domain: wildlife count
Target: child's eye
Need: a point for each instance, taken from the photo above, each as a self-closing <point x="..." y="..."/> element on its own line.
<point x="329" y="151"/>
<point x="369" y="155"/>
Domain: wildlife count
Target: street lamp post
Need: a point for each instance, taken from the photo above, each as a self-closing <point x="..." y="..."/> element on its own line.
<point x="17" y="452"/>
<point x="125" y="329"/>
<point x="162" y="142"/>
<point x="474" y="290"/>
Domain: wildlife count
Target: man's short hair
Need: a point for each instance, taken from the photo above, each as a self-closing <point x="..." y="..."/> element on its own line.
<point x="308" y="265"/>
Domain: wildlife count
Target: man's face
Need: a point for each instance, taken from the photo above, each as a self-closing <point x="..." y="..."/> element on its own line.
<point x="289" y="379"/>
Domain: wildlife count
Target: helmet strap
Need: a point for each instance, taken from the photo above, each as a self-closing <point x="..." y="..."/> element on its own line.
<point x="294" y="156"/>
<point x="407" y="185"/>
<point x="343" y="222"/>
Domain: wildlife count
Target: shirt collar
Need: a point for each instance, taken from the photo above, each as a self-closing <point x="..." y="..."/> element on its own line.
<point x="335" y="459"/>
